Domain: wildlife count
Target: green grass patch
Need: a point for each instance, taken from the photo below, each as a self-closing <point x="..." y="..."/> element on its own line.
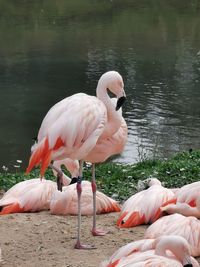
<point x="120" y="181"/>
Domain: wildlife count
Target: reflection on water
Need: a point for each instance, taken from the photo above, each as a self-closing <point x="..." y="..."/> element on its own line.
<point x="52" y="49"/>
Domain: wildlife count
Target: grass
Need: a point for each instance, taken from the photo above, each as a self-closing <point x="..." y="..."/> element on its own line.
<point x="120" y="181"/>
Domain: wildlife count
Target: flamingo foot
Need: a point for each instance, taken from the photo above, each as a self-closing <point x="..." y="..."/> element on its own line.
<point x="96" y="232"/>
<point x="78" y="245"/>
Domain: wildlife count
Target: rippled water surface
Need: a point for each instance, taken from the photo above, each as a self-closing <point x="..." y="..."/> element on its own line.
<point x="52" y="49"/>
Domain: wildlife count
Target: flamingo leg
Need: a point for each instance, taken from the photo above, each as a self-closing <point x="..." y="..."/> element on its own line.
<point x="95" y="231"/>
<point x="78" y="244"/>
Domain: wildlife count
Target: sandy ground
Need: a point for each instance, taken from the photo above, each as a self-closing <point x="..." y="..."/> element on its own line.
<point x="42" y="239"/>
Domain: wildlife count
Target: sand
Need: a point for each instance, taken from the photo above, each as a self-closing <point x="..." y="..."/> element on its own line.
<point x="42" y="239"/>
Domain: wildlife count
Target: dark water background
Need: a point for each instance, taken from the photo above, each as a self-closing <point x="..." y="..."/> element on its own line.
<point x="51" y="49"/>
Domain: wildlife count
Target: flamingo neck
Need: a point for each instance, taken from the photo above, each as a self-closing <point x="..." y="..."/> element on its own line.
<point x="66" y="180"/>
<point x="113" y="117"/>
<point x="173" y="245"/>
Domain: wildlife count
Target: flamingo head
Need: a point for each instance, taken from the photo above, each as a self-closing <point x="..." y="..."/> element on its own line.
<point x="114" y="82"/>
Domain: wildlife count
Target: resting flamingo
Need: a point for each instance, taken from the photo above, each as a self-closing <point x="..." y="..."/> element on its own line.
<point x="165" y="251"/>
<point x="183" y="208"/>
<point x="188" y="194"/>
<point x="72" y="128"/>
<point x="177" y="224"/>
<point x="34" y="194"/>
<point x="144" y="206"/>
<point x="65" y="202"/>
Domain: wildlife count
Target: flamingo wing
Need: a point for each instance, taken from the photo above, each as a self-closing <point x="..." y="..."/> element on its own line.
<point x="129" y="249"/>
<point x="70" y="129"/>
<point x="28" y="196"/>
<point x="147" y="259"/>
<point x="183" y="208"/>
<point x="188" y="193"/>
<point x="176" y="224"/>
<point x="66" y="202"/>
<point x="144" y="206"/>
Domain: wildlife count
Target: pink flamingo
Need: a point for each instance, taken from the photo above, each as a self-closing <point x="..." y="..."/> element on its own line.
<point x="165" y="251"/>
<point x="186" y="201"/>
<point x="72" y="128"/>
<point x="28" y="196"/>
<point x="34" y="194"/>
<point x="144" y="206"/>
<point x="188" y="194"/>
<point x="63" y="203"/>
<point x="183" y="208"/>
<point x="177" y="224"/>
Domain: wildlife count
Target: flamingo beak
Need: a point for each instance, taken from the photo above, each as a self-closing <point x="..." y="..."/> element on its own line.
<point x="187" y="262"/>
<point x="120" y="102"/>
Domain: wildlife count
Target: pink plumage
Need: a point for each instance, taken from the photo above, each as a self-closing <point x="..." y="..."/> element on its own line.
<point x="176" y="224"/>
<point x="144" y="206"/>
<point x="28" y="196"/>
<point x="188" y="193"/>
<point x="78" y="127"/>
<point x="73" y="126"/>
<point x="165" y="251"/>
<point x="66" y="202"/>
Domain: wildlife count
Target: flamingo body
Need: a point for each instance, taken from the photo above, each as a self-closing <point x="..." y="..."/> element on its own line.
<point x="62" y="135"/>
<point x="176" y="224"/>
<point x="144" y="206"/>
<point x="28" y="196"/>
<point x="163" y="251"/>
<point x="183" y="208"/>
<point x="66" y="202"/>
<point x="188" y="193"/>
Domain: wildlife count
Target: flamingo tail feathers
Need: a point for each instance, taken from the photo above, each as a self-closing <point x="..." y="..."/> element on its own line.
<point x="42" y="155"/>
<point x="133" y="220"/>
<point x="111" y="207"/>
<point x="12" y="208"/>
<point x="159" y="212"/>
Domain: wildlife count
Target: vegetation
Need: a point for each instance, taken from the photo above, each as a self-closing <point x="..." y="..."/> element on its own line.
<point x="120" y="181"/>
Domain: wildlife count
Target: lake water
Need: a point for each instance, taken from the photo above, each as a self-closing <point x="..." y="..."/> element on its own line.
<point x="52" y="49"/>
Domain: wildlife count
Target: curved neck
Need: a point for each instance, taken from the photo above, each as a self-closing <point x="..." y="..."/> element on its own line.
<point x="175" y="246"/>
<point x="114" y="117"/>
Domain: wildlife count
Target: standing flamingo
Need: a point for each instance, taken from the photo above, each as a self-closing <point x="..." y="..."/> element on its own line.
<point x="72" y="128"/>
<point x="177" y="224"/>
<point x="144" y="206"/>
<point x="165" y="251"/>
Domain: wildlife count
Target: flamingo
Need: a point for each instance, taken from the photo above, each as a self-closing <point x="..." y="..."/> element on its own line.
<point x="165" y="251"/>
<point x="34" y="194"/>
<point x="72" y="128"/>
<point x="28" y="196"/>
<point x="177" y="224"/>
<point x="183" y="208"/>
<point x="63" y="203"/>
<point x="144" y="206"/>
<point x="188" y="193"/>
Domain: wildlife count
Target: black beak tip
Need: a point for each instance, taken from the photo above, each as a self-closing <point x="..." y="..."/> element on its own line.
<point x="120" y="102"/>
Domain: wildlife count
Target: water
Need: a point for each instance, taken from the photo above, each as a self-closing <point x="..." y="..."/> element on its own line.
<point x="52" y="49"/>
